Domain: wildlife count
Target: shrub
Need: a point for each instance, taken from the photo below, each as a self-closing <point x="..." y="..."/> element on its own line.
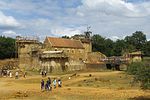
<point x="134" y="67"/>
<point x="143" y="76"/>
<point x="141" y="72"/>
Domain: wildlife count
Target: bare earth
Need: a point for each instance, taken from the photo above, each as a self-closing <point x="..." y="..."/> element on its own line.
<point x="100" y="86"/>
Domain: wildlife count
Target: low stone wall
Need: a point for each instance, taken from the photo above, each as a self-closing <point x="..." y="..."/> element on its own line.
<point x="76" y="65"/>
<point x="95" y="66"/>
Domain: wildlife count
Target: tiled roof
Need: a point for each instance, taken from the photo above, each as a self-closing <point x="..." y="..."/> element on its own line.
<point x="65" y="43"/>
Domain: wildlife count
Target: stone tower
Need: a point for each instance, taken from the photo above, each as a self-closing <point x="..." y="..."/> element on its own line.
<point x="28" y="49"/>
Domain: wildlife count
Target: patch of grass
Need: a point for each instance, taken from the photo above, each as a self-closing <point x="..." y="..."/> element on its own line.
<point x="113" y="81"/>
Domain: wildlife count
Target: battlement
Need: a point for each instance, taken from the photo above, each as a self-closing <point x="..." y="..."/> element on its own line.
<point x="27" y="39"/>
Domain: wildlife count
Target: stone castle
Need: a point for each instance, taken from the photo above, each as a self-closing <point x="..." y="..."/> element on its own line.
<point x="56" y="54"/>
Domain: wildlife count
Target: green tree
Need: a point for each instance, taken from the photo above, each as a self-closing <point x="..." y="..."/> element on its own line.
<point x="7" y="47"/>
<point x="109" y="47"/>
<point x="102" y="45"/>
<point x="98" y="43"/>
<point x="66" y="37"/>
<point x="137" y="40"/>
<point x="119" y="47"/>
<point x="147" y="49"/>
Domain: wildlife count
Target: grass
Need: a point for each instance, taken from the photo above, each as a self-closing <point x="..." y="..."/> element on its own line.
<point x="121" y="81"/>
<point x="98" y="86"/>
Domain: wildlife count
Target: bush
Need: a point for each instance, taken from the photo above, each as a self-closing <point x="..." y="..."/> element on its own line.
<point x="134" y="67"/>
<point x="141" y="72"/>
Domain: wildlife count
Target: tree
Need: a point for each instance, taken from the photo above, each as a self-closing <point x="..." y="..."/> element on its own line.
<point x="147" y="49"/>
<point x="138" y="40"/>
<point x="98" y="43"/>
<point x="109" y="47"/>
<point x="102" y="45"/>
<point x="66" y="37"/>
<point x="7" y="47"/>
<point x="119" y="47"/>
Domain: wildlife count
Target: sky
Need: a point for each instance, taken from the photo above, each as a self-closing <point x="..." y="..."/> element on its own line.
<point x="112" y="19"/>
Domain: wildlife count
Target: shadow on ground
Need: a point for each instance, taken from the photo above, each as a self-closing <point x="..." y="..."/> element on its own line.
<point x="140" y="98"/>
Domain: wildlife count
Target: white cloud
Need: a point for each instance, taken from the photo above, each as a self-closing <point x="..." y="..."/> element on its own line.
<point x="116" y="17"/>
<point x="114" y="38"/>
<point x="66" y="31"/>
<point x="8" y="21"/>
<point x="116" y="7"/>
<point x="10" y="33"/>
<point x="106" y="17"/>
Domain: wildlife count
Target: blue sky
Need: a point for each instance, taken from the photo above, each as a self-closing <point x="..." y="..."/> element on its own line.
<point x="113" y="19"/>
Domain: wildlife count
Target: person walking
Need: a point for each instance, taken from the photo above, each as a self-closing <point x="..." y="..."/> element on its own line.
<point x="24" y="74"/>
<point x="59" y="83"/>
<point x="10" y="74"/>
<point x="46" y="85"/>
<point x="49" y="83"/>
<point x="42" y="73"/>
<point x="45" y="73"/>
<point x="16" y="75"/>
<point x="42" y="84"/>
<point x="54" y="83"/>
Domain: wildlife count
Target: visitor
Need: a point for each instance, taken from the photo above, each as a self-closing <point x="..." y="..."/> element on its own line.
<point x="59" y="83"/>
<point x="42" y="84"/>
<point x="46" y="85"/>
<point x="24" y="74"/>
<point x="10" y="74"/>
<point x="49" y="83"/>
<point x="54" y="83"/>
<point x="16" y="75"/>
<point x="0" y="72"/>
<point x="42" y="73"/>
<point x="45" y="73"/>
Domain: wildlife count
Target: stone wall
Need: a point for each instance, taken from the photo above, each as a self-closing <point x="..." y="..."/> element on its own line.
<point x="28" y="55"/>
<point x="61" y="65"/>
<point x="72" y="53"/>
<point x="95" y="66"/>
<point x="95" y="57"/>
<point x="76" y="65"/>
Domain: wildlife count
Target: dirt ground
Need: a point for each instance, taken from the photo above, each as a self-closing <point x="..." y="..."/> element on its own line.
<point x="111" y="85"/>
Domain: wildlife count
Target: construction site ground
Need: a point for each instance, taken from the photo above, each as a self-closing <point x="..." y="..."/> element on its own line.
<point x="106" y="85"/>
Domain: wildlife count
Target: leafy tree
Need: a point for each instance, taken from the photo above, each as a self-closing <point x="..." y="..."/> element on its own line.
<point x="109" y="47"/>
<point x="7" y="47"/>
<point x="119" y="47"/>
<point x="147" y="49"/>
<point x="66" y="37"/>
<point x="137" y="40"/>
<point x="98" y="43"/>
<point x="102" y="45"/>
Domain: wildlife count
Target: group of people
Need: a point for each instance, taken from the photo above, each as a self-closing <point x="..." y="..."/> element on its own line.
<point x="48" y="85"/>
<point x="8" y="73"/>
<point x="44" y="73"/>
<point x="4" y="72"/>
